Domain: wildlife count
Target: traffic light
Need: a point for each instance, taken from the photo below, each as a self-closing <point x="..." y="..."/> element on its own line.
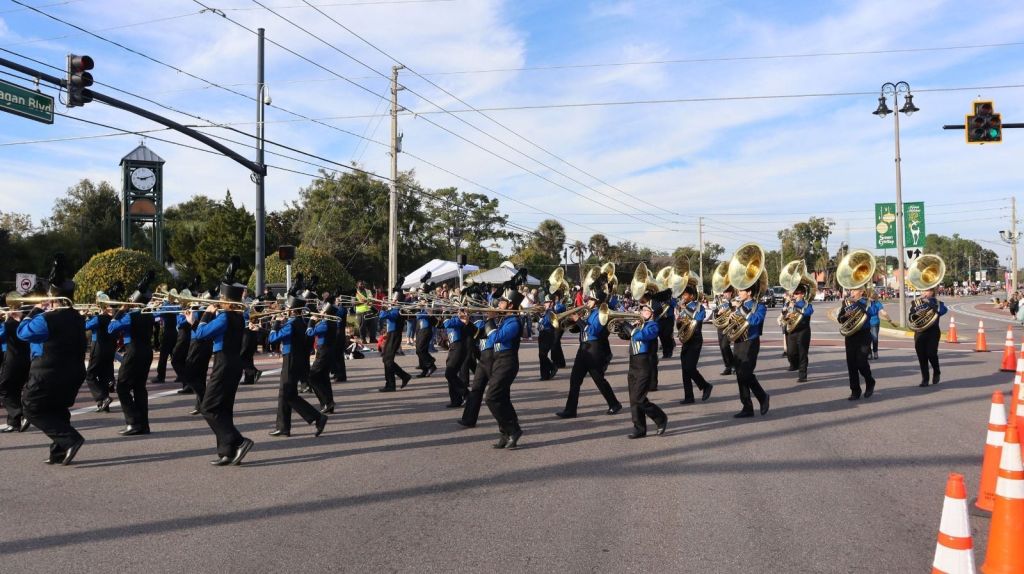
<point x="984" y="126"/>
<point x="78" y="80"/>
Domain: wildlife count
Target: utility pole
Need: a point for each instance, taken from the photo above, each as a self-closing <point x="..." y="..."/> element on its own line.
<point x="261" y="214"/>
<point x="1013" y="233"/>
<point x="393" y="202"/>
<point x="700" y="250"/>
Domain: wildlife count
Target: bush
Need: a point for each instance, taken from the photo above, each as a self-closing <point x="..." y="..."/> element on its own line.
<point x="309" y="261"/>
<point x="107" y="267"/>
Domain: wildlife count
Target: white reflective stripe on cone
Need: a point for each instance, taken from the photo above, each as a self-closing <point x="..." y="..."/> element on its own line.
<point x="949" y="561"/>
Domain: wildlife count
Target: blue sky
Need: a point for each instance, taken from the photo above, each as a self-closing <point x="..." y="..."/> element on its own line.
<point x="749" y="165"/>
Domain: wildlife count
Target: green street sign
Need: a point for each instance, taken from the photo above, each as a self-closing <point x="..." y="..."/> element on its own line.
<point x="913" y="224"/>
<point x="26" y="103"/>
<point x="885" y="226"/>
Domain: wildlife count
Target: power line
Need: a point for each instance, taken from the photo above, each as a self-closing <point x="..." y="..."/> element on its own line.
<point x="332" y="4"/>
<point x="503" y="158"/>
<point x="119" y="27"/>
<point x="505" y="127"/>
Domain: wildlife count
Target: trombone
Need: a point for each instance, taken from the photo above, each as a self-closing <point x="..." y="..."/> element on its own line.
<point x="15" y="300"/>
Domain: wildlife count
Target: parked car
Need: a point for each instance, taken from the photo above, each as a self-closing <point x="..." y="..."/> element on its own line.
<point x="774" y="296"/>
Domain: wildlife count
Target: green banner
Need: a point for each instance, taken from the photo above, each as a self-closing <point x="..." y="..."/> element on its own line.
<point x="913" y="224"/>
<point x="885" y="226"/>
<point x="26" y="103"/>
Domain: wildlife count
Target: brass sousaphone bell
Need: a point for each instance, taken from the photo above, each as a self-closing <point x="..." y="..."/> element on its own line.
<point x="855" y="271"/>
<point x="746" y="271"/>
<point x="926" y="272"/>
<point x="793" y="275"/>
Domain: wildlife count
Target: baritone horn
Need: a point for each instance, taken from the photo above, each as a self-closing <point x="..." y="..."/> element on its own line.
<point x="855" y="271"/>
<point x="925" y="273"/>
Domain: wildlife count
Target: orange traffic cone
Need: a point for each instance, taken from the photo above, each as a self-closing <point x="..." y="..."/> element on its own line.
<point x="1017" y="415"/>
<point x="954" y="552"/>
<point x="951" y="335"/>
<point x="993" y="451"/>
<point x="1014" y="394"/>
<point x="1009" y="356"/>
<point x="1005" y="554"/>
<point x="981" y="346"/>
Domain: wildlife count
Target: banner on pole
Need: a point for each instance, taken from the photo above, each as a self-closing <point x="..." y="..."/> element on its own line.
<point x="885" y="226"/>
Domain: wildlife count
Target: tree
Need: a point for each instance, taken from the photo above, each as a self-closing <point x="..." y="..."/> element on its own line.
<point x="203" y="234"/>
<point x="281" y="228"/>
<point x="598" y="245"/>
<point x="459" y="218"/>
<point x="17" y="225"/>
<point x="86" y="220"/>
<point x="712" y="252"/>
<point x="807" y="240"/>
<point x="549" y="238"/>
<point x="962" y="256"/>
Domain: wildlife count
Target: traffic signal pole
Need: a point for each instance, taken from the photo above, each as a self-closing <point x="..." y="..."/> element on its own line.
<point x="121" y="105"/>
<point x="261" y="212"/>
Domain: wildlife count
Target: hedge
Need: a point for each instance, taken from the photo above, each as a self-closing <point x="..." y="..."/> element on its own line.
<point x="309" y="261"/>
<point x="107" y="267"/>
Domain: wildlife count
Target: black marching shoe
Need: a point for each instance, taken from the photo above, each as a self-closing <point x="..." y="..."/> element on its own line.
<point x="687" y="401"/>
<point x="662" y="427"/>
<point x="706" y="393"/>
<point x="405" y="381"/>
<point x="327" y="409"/>
<point x="764" y="405"/>
<point x="935" y="379"/>
<point x="513" y="440"/>
<point x="386" y="390"/>
<point x="637" y="434"/>
<point x="726" y="372"/>
<point x="70" y="455"/>
<point x="133" y="431"/>
<point x="565" y="415"/>
<point x="243" y="449"/>
<point x="185" y="391"/>
<point x="853" y="397"/>
<point x="501" y="442"/>
<point x="792" y="369"/>
<point x="258" y="375"/>
<point x="453" y="406"/>
<point x="924" y="383"/>
<point x="320" y="424"/>
<point x="614" y="409"/>
<point x="431" y="370"/>
<point x="222" y="461"/>
<point x="9" y="428"/>
<point x="802" y="379"/>
<point x="104" y="405"/>
<point x="279" y="432"/>
<point x="465" y="424"/>
<point x="423" y="373"/>
<point x="194" y="412"/>
<point x="24" y="425"/>
<point x="744" y="414"/>
<point x="868" y="391"/>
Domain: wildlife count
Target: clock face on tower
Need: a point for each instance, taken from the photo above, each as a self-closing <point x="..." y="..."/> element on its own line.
<point x="143" y="179"/>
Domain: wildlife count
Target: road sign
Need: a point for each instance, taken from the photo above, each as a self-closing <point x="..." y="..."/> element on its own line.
<point x="24" y="282"/>
<point x="912" y="254"/>
<point x="913" y="224"/>
<point x="885" y="226"/>
<point x="26" y="103"/>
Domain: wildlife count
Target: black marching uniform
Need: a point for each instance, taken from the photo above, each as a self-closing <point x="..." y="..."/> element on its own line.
<point x="197" y="363"/>
<point x="56" y="374"/>
<point x="746" y="351"/>
<point x="13" y="375"/>
<point x="341" y="343"/>
<point x="179" y="355"/>
<point x="798" y="339"/>
<point x="392" y="344"/>
<point x="725" y="345"/>
<point x="456" y="367"/>
<point x="99" y="376"/>
<point x="666" y="324"/>
<point x="689" y="354"/>
<point x="504" y="369"/>
<point x="425" y="324"/>
<point x="484" y="334"/>
<point x="590" y="359"/>
<point x="326" y="336"/>
<point x="546" y="341"/>
<point x="250" y="343"/>
<point x="642" y="342"/>
<point x="926" y="342"/>
<point x="858" y="346"/>
<point x="137" y="330"/>
<point x="294" y="368"/>
<point x="168" y="339"/>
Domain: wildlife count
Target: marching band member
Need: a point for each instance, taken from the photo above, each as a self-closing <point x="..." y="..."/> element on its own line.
<point x="341" y="342"/>
<point x="168" y="339"/>
<point x="486" y="330"/>
<point x="876" y="322"/>
<point x="590" y="358"/>
<point x="325" y="334"/>
<point x="798" y="337"/>
<point x="294" y="367"/>
<point x="546" y="339"/>
<point x="926" y="342"/>
<point x="456" y="367"/>
<point x="425" y="323"/>
<point x="393" y="342"/>
<point x="179" y="355"/>
<point x="557" y="354"/>
<point x="642" y="342"/>
<point x="724" y="344"/>
<point x="197" y="359"/>
<point x="745" y="352"/>
<point x="14" y="372"/>
<point x="99" y="376"/>
<point x="250" y="343"/>
<point x="504" y="369"/>
<point x="137" y="330"/>
<point x="53" y="331"/>
<point x="666" y="326"/>
<point x="858" y="344"/>
<point x="689" y="354"/>
<point x="223" y="328"/>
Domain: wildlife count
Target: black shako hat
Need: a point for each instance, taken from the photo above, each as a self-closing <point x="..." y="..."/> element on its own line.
<point x="60" y="284"/>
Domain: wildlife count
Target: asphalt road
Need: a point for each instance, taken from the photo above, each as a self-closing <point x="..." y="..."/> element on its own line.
<point x="820" y="484"/>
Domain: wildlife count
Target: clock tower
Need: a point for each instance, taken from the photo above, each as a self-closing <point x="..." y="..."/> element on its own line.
<point x="142" y="197"/>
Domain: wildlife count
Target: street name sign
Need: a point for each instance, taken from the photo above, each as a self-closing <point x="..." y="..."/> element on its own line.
<point x="26" y="103"/>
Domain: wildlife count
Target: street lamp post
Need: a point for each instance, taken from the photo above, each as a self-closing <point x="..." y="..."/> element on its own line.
<point x="883" y="110"/>
<point x="1012" y="238"/>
